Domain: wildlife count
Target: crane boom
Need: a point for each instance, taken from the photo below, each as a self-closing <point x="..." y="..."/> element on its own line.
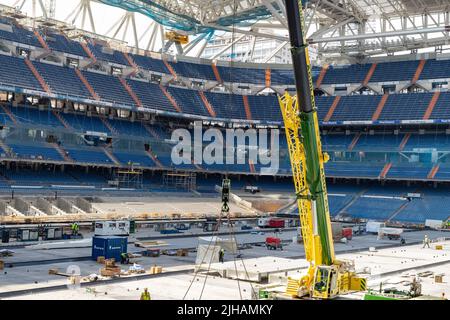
<point x="310" y="129"/>
<point x="326" y="277"/>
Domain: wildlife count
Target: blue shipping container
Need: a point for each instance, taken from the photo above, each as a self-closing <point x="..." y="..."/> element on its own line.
<point x="109" y="247"/>
<point x="169" y="231"/>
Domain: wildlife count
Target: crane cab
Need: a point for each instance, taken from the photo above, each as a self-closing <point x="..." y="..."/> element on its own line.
<point x="331" y="281"/>
<point x="326" y="284"/>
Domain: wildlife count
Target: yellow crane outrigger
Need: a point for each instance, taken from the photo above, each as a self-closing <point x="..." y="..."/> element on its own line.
<point x="326" y="276"/>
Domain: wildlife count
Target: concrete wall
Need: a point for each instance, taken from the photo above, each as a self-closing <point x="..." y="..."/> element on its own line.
<point x="21" y="205"/>
<point x="64" y="205"/>
<point x="44" y="205"/>
<point x="2" y="208"/>
<point x="83" y="204"/>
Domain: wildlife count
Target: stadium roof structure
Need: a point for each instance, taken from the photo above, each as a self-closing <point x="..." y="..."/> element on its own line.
<point x="351" y="28"/>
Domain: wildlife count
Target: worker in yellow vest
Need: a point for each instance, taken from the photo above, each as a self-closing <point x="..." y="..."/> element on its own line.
<point x="75" y="228"/>
<point x="145" y="295"/>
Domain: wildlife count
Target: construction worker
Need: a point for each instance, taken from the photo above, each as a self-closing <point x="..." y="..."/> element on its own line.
<point x="124" y="259"/>
<point x="145" y="295"/>
<point x="426" y="241"/>
<point x="75" y="228"/>
<point x="221" y="255"/>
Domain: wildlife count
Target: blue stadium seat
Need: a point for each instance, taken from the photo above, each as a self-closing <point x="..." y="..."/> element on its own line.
<point x="189" y="101"/>
<point x="106" y="54"/>
<point x="14" y="72"/>
<point x="17" y="33"/>
<point x="109" y="88"/>
<point x="227" y="105"/>
<point x="151" y="95"/>
<point x="409" y="171"/>
<point x="62" y="80"/>
<point x="36" y="151"/>
<point x="88" y="155"/>
<point x="85" y="123"/>
<point x="435" y="69"/>
<point x="378" y="142"/>
<point x="354" y="73"/>
<point x="150" y="64"/>
<point x="374" y="208"/>
<point x="193" y="70"/>
<point x="129" y="128"/>
<point x="264" y="107"/>
<point x="441" y="109"/>
<point x="242" y="75"/>
<point x="33" y="116"/>
<point x="395" y="71"/>
<point x="134" y="158"/>
<point x="357" y="107"/>
<point x="58" y="42"/>
<point x="406" y="106"/>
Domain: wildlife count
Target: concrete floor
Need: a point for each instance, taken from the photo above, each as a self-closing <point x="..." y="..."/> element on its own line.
<point x="30" y="268"/>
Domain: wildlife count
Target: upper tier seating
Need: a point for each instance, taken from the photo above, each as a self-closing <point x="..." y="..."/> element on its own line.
<point x="394" y="71"/>
<point x="341" y="74"/>
<point x="151" y="95"/>
<point x="406" y="106"/>
<point x="435" y="69"/>
<point x="106" y="54"/>
<point x="323" y="104"/>
<point x="12" y="31"/>
<point x="189" y="101"/>
<point x="61" y="43"/>
<point x="357" y="107"/>
<point x="227" y="106"/>
<point x="281" y="77"/>
<point x="441" y="109"/>
<point x="242" y="75"/>
<point x="108" y="87"/>
<point x="346" y="74"/>
<point x="14" y="72"/>
<point x="62" y="80"/>
<point x="149" y="63"/>
<point x="264" y="107"/>
<point x="193" y="70"/>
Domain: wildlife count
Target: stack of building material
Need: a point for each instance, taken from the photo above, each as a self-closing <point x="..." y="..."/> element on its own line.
<point x="182" y="252"/>
<point x="155" y="270"/>
<point x="110" y="268"/>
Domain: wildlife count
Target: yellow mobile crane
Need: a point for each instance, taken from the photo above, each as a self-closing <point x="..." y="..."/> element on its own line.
<point x="326" y="276"/>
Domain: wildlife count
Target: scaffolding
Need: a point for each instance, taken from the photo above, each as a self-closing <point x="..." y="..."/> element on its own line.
<point x="180" y="180"/>
<point x="128" y="178"/>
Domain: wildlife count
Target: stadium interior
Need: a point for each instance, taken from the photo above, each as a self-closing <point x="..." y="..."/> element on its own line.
<point x="303" y="147"/>
<point x="74" y="112"/>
